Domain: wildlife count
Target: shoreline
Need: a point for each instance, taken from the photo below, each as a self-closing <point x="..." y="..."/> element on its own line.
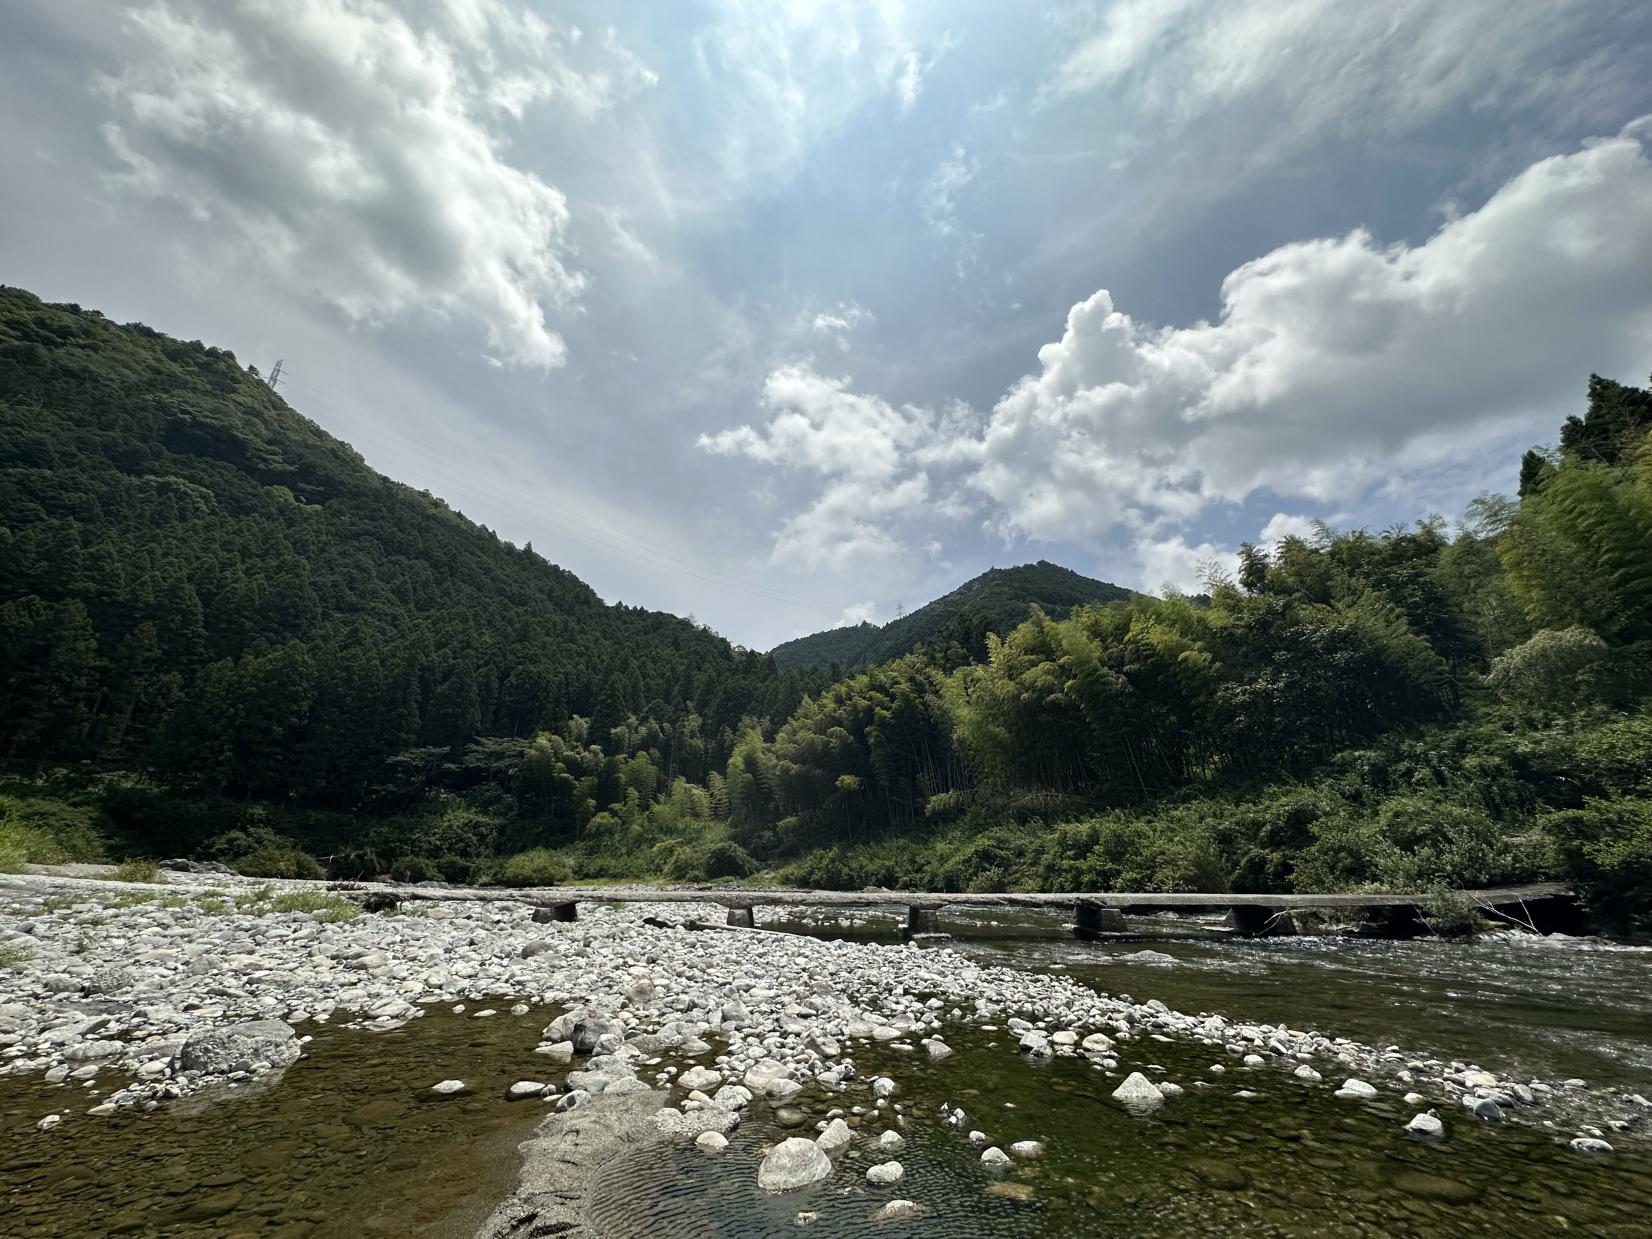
<point x="123" y="977"/>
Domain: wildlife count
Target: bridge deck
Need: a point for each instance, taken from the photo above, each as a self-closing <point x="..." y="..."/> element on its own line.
<point x="748" y="896"/>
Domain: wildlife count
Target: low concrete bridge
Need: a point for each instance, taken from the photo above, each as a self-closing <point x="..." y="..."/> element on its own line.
<point x="1542" y="906"/>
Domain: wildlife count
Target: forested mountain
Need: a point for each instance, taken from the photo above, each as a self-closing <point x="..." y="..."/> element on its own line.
<point x="996" y="601"/>
<point x="198" y="582"/>
<point x="225" y="635"/>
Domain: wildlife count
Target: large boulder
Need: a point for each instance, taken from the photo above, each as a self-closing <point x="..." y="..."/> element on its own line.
<point x="240" y="1047"/>
<point x="792" y="1164"/>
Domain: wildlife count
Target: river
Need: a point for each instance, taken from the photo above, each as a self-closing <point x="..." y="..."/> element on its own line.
<point x="348" y="1142"/>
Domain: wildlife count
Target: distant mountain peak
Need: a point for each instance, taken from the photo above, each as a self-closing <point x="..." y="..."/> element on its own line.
<point x="996" y="600"/>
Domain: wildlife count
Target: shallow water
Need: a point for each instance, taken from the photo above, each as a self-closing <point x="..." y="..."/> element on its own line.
<point x="1533" y="1007"/>
<point x="1292" y="1161"/>
<point x="348" y="1143"/>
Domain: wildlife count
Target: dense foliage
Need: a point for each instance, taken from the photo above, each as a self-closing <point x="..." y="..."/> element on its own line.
<point x="198" y="584"/>
<point x="996" y="601"/>
<point x="226" y="635"/>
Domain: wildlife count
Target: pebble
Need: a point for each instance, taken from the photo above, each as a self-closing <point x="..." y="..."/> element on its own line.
<point x="995" y="1158"/>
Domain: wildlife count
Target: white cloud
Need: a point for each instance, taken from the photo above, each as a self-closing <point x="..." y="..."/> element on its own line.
<point x="838" y="322"/>
<point x="1337" y="367"/>
<point x="787" y="75"/>
<point x="1330" y="66"/>
<point x="1170" y="565"/>
<point x="1281" y="526"/>
<point x="355" y="150"/>
<point x="861" y="447"/>
<point x="624" y="241"/>
<point x="1338" y="362"/>
<point x="857" y="613"/>
<point x="939" y="199"/>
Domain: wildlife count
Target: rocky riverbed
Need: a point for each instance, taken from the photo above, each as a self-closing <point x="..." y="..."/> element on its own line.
<point x="130" y="997"/>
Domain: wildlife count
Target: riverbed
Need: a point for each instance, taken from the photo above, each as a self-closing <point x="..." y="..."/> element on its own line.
<point x="352" y="1140"/>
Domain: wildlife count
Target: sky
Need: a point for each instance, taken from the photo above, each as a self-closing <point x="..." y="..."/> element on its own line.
<point x="789" y="313"/>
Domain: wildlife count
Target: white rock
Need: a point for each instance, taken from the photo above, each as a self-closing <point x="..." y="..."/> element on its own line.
<point x="1138" y="1093"/>
<point x="995" y="1158"/>
<point x="1356" y="1090"/>
<point x="836" y="1137"/>
<point x="446" y="1088"/>
<point x="1425" y="1127"/>
<point x="712" y="1141"/>
<point x="891" y="1142"/>
<point x="1028" y="1148"/>
<point x="885" y="1173"/>
<point x="792" y="1164"/>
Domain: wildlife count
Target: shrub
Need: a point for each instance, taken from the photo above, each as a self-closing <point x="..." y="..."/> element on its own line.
<point x="535" y="867"/>
<point x="277" y="862"/>
<point x="355" y="864"/>
<point x="49" y="832"/>
<point x="415" y="869"/>
<point x="322" y="906"/>
<point x="11" y="956"/>
<point x="1605" y="849"/>
<point x="136" y="871"/>
<point x="14" y="848"/>
<point x="728" y="860"/>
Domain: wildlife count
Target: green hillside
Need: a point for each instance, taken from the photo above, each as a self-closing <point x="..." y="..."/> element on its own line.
<point x="199" y="583"/>
<point x="995" y="601"/>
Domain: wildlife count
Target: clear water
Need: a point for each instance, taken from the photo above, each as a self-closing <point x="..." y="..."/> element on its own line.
<point x="348" y="1144"/>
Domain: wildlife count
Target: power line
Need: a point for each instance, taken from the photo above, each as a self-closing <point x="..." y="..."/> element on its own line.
<point x="606" y="539"/>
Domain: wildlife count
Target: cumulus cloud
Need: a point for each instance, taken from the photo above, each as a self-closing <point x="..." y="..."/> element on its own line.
<point x="857" y="613"/>
<point x="357" y="149"/>
<point x="1336" y="365"/>
<point x="864" y="451"/>
<point x="1281" y="525"/>
<point x="1337" y="361"/>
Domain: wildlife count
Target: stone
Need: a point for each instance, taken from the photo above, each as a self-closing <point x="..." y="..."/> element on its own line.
<point x="238" y="1047"/>
<point x="1425" y="1186"/>
<point x="524" y="1089"/>
<point x="836" y="1137"/>
<point x="1138" y="1093"/>
<point x="702" y="1078"/>
<point x="759" y="1074"/>
<point x="1356" y="1090"/>
<point x="885" y="1173"/>
<point x="1591" y="1147"/>
<point x="995" y="1158"/>
<point x="447" y="1088"/>
<point x="1425" y="1127"/>
<point x="883" y="1086"/>
<point x="1028" y="1148"/>
<point x="712" y="1141"/>
<point x="782" y="1089"/>
<point x="1484" y="1109"/>
<point x="899" y="1211"/>
<point x="891" y="1142"/>
<point x="793" y="1163"/>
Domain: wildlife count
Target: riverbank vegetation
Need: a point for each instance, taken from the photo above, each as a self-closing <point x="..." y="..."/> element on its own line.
<point x="228" y="638"/>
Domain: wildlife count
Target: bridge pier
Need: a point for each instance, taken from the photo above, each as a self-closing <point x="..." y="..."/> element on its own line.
<point x="1092" y="918"/>
<point x="742" y="918"/>
<point x="565" y="912"/>
<point x="1261" y="923"/>
<point x="921" y="922"/>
